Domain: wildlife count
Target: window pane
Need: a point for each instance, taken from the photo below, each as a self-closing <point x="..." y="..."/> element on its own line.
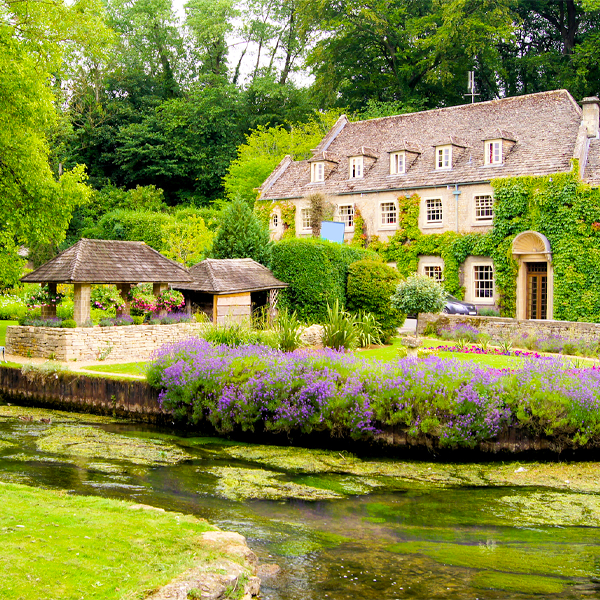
<point x="346" y="215"/>
<point x="388" y="213"/>
<point x="356" y="165"/>
<point x="397" y="165"/>
<point x="484" y="281"/>
<point x="434" y="210"/>
<point x="484" y="208"/>
<point x="305" y="215"/>
<point x="434" y="272"/>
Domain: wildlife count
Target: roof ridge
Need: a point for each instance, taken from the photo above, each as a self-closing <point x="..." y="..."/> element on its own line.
<point x="76" y="261"/>
<point x="560" y="91"/>
<point x="211" y="275"/>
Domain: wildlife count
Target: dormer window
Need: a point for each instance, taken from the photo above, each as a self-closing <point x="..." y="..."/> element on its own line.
<point x="356" y="167"/>
<point x="493" y="152"/>
<point x="443" y="157"/>
<point x="397" y="163"/>
<point x="317" y="172"/>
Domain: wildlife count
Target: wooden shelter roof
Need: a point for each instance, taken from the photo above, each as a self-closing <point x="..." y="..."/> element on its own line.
<point x="230" y="276"/>
<point x="109" y="261"/>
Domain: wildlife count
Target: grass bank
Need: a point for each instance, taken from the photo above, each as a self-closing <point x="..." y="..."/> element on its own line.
<point x="3" y="326"/>
<point x="70" y="547"/>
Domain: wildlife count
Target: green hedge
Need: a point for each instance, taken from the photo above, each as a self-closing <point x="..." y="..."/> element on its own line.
<point x="316" y="271"/>
<point x="371" y="284"/>
<point x="143" y="226"/>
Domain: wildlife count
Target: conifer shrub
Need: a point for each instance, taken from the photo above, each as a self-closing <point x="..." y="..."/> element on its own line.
<point x="316" y="271"/>
<point x="241" y="235"/>
<point x="371" y="284"/>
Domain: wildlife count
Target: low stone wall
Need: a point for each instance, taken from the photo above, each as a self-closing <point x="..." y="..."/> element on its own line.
<point x="500" y="328"/>
<point x="82" y="393"/>
<point x="129" y="342"/>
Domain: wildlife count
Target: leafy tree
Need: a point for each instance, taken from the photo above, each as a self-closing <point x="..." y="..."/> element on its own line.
<point x="401" y="51"/>
<point x="419" y="294"/>
<point x="186" y="144"/>
<point x="187" y="241"/>
<point x="266" y="146"/>
<point x="210" y="21"/>
<point x="36" y="40"/>
<point x="241" y="235"/>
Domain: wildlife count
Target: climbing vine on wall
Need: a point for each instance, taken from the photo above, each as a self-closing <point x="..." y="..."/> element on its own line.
<point x="264" y="209"/>
<point x="560" y="207"/>
<point x="359" y="238"/>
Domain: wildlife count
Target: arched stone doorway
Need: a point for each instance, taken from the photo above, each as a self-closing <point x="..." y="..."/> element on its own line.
<point x="535" y="280"/>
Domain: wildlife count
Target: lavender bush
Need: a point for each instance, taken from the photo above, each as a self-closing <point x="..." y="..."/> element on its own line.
<point x="459" y="403"/>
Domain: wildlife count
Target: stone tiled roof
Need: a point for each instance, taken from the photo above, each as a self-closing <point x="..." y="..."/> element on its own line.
<point x="230" y="276"/>
<point x="108" y="261"/>
<point x="544" y="126"/>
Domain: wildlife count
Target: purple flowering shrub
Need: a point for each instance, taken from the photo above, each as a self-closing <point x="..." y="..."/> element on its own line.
<point x="458" y="403"/>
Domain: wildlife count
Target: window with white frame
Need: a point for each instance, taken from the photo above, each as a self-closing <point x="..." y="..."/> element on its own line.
<point x="483" y="280"/>
<point x="356" y="167"/>
<point x="274" y="220"/>
<point x="443" y="157"/>
<point x="305" y="217"/>
<point x="397" y="163"/>
<point x="389" y="214"/>
<point x="317" y="172"/>
<point x="493" y="152"/>
<point x="346" y="215"/>
<point x="433" y="272"/>
<point x="484" y="208"/>
<point x="433" y="210"/>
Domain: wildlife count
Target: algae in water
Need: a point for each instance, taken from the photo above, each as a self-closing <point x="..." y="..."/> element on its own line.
<point x="95" y="443"/>
<point x="510" y="582"/>
<point x="245" y="484"/>
<point x="551" y="508"/>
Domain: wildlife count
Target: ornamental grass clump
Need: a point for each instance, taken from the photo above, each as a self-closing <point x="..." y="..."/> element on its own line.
<point x="340" y="330"/>
<point x="452" y="403"/>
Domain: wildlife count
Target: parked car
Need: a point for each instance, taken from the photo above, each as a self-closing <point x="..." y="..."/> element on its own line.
<point x="458" y="307"/>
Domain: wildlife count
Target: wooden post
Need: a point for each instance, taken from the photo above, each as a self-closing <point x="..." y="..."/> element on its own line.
<point x="157" y="289"/>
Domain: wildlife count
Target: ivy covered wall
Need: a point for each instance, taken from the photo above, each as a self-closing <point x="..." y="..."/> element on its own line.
<point x="560" y="207"/>
<point x="265" y="208"/>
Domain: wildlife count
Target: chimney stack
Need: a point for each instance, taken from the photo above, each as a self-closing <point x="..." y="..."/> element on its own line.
<point x="591" y="115"/>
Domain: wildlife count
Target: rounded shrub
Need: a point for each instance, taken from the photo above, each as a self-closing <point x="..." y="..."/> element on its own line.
<point x="371" y="285"/>
<point x="68" y="324"/>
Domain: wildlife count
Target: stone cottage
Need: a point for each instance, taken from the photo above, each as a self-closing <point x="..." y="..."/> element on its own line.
<point x="448" y="157"/>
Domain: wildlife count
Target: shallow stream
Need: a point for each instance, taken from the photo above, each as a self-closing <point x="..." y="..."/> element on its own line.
<point x="340" y="528"/>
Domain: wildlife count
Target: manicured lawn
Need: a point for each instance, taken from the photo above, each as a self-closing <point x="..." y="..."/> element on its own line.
<point x="70" y="547"/>
<point x="388" y="353"/>
<point x="134" y="368"/>
<point x="3" y="326"/>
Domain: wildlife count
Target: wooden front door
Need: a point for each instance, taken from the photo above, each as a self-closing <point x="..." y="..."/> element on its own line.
<point x="537" y="290"/>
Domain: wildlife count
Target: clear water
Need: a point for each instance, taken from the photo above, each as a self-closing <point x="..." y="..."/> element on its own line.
<point x="412" y="542"/>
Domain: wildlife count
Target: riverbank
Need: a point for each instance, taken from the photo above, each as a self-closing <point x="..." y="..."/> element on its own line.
<point x="55" y="545"/>
<point x="338" y="526"/>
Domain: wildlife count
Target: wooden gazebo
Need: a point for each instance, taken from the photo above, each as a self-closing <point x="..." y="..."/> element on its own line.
<point x="230" y="289"/>
<point x="106" y="262"/>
